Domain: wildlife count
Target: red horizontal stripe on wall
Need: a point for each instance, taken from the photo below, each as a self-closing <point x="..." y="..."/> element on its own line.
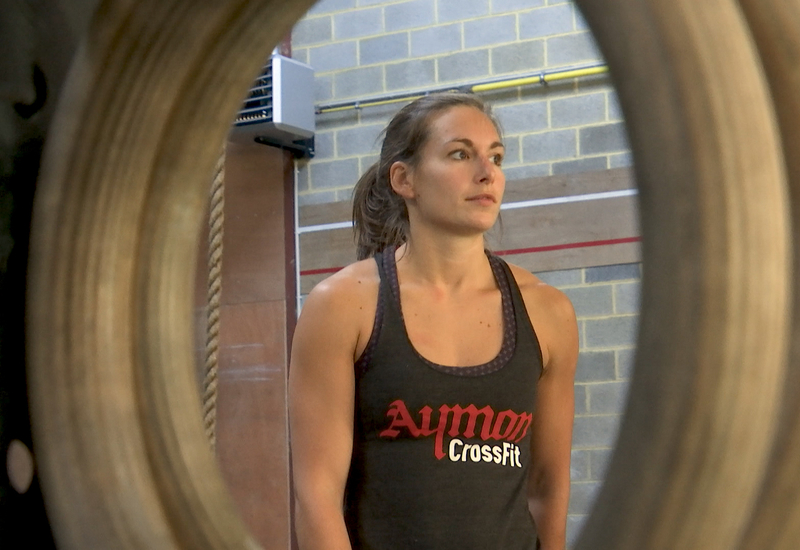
<point x="514" y="251"/>
<point x="320" y="271"/>
<point x="550" y="248"/>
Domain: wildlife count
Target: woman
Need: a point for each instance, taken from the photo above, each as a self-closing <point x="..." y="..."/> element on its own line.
<point x="431" y="387"/>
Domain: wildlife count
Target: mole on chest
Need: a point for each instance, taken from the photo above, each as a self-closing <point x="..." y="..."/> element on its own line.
<point x="455" y="334"/>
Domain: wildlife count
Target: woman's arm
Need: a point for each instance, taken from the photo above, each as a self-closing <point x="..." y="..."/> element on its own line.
<point x="321" y="397"/>
<point x="551" y="436"/>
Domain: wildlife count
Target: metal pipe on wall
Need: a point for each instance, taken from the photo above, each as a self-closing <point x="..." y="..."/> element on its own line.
<point x="541" y="78"/>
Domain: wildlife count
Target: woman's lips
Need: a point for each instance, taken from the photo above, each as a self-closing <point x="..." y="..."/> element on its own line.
<point x="483" y="198"/>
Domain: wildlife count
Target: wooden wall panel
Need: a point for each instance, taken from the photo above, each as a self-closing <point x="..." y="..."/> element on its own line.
<point x="254" y="225"/>
<point x="589" y="231"/>
<point x="326" y="251"/>
<point x="252" y="434"/>
<point x="589" y="256"/>
<point x="568" y="224"/>
<point x="256" y="316"/>
<point x="314" y="214"/>
<point x="546" y="187"/>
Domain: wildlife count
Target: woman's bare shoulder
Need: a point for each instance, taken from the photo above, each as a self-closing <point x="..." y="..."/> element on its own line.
<point x="552" y="316"/>
<point x="338" y="314"/>
<point x="349" y="291"/>
<point x="538" y="295"/>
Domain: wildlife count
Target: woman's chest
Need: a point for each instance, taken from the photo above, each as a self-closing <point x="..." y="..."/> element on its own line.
<point x="454" y="330"/>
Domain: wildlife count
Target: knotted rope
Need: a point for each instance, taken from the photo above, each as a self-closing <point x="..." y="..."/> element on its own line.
<point x="215" y="226"/>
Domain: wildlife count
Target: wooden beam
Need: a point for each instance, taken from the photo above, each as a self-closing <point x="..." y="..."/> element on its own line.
<point x="589" y="230"/>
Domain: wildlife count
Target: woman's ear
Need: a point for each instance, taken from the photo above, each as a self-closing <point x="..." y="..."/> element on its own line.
<point x="401" y="180"/>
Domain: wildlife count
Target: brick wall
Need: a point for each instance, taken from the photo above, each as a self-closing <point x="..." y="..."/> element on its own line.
<point x="606" y="301"/>
<point x="365" y="48"/>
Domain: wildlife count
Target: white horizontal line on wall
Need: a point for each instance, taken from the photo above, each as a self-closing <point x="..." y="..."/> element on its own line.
<point x="324" y="227"/>
<point x="507" y="206"/>
<point x="571" y="198"/>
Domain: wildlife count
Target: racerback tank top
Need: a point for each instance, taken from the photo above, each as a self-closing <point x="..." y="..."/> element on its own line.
<point x="441" y="455"/>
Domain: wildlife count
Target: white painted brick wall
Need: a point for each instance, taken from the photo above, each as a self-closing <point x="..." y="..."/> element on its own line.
<point x="606" y="301"/>
<point x="365" y="48"/>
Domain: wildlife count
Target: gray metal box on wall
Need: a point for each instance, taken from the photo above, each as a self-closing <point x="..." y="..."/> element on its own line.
<point x="279" y="109"/>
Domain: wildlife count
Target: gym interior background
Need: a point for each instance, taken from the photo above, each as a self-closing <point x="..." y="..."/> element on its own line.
<point x="119" y="446"/>
<point x="573" y="220"/>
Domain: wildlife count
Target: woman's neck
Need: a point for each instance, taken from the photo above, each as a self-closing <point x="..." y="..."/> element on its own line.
<point x="448" y="263"/>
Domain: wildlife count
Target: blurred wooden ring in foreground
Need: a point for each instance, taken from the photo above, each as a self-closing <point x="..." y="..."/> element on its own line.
<point x="117" y="430"/>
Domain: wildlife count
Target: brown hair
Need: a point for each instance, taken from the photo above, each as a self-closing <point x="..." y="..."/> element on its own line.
<point x="380" y="216"/>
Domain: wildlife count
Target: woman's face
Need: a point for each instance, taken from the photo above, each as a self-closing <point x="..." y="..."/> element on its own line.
<point x="457" y="184"/>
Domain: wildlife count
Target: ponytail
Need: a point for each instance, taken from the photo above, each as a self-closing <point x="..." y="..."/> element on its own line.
<point x="380" y="217"/>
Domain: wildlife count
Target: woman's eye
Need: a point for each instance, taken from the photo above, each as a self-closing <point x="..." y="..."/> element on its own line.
<point x="497" y="159"/>
<point x="459" y="155"/>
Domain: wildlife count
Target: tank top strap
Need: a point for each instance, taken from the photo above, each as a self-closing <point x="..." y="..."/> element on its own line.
<point x="365" y="358"/>
<point x="523" y="320"/>
<point x="504" y="281"/>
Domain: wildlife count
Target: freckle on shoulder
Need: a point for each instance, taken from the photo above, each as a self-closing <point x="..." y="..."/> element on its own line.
<point x="356" y="277"/>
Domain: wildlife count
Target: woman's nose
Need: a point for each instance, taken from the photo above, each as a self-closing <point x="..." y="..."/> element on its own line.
<point x="485" y="169"/>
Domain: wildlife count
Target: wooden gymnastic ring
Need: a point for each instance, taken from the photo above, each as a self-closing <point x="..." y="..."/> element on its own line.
<point x="775" y="523"/>
<point x="695" y="439"/>
<point x="118" y="437"/>
<point x="117" y="433"/>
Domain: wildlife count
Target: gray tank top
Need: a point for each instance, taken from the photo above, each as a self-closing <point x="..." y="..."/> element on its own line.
<point x="441" y="454"/>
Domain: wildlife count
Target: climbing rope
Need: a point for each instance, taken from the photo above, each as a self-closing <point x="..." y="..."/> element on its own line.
<point x="215" y="225"/>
